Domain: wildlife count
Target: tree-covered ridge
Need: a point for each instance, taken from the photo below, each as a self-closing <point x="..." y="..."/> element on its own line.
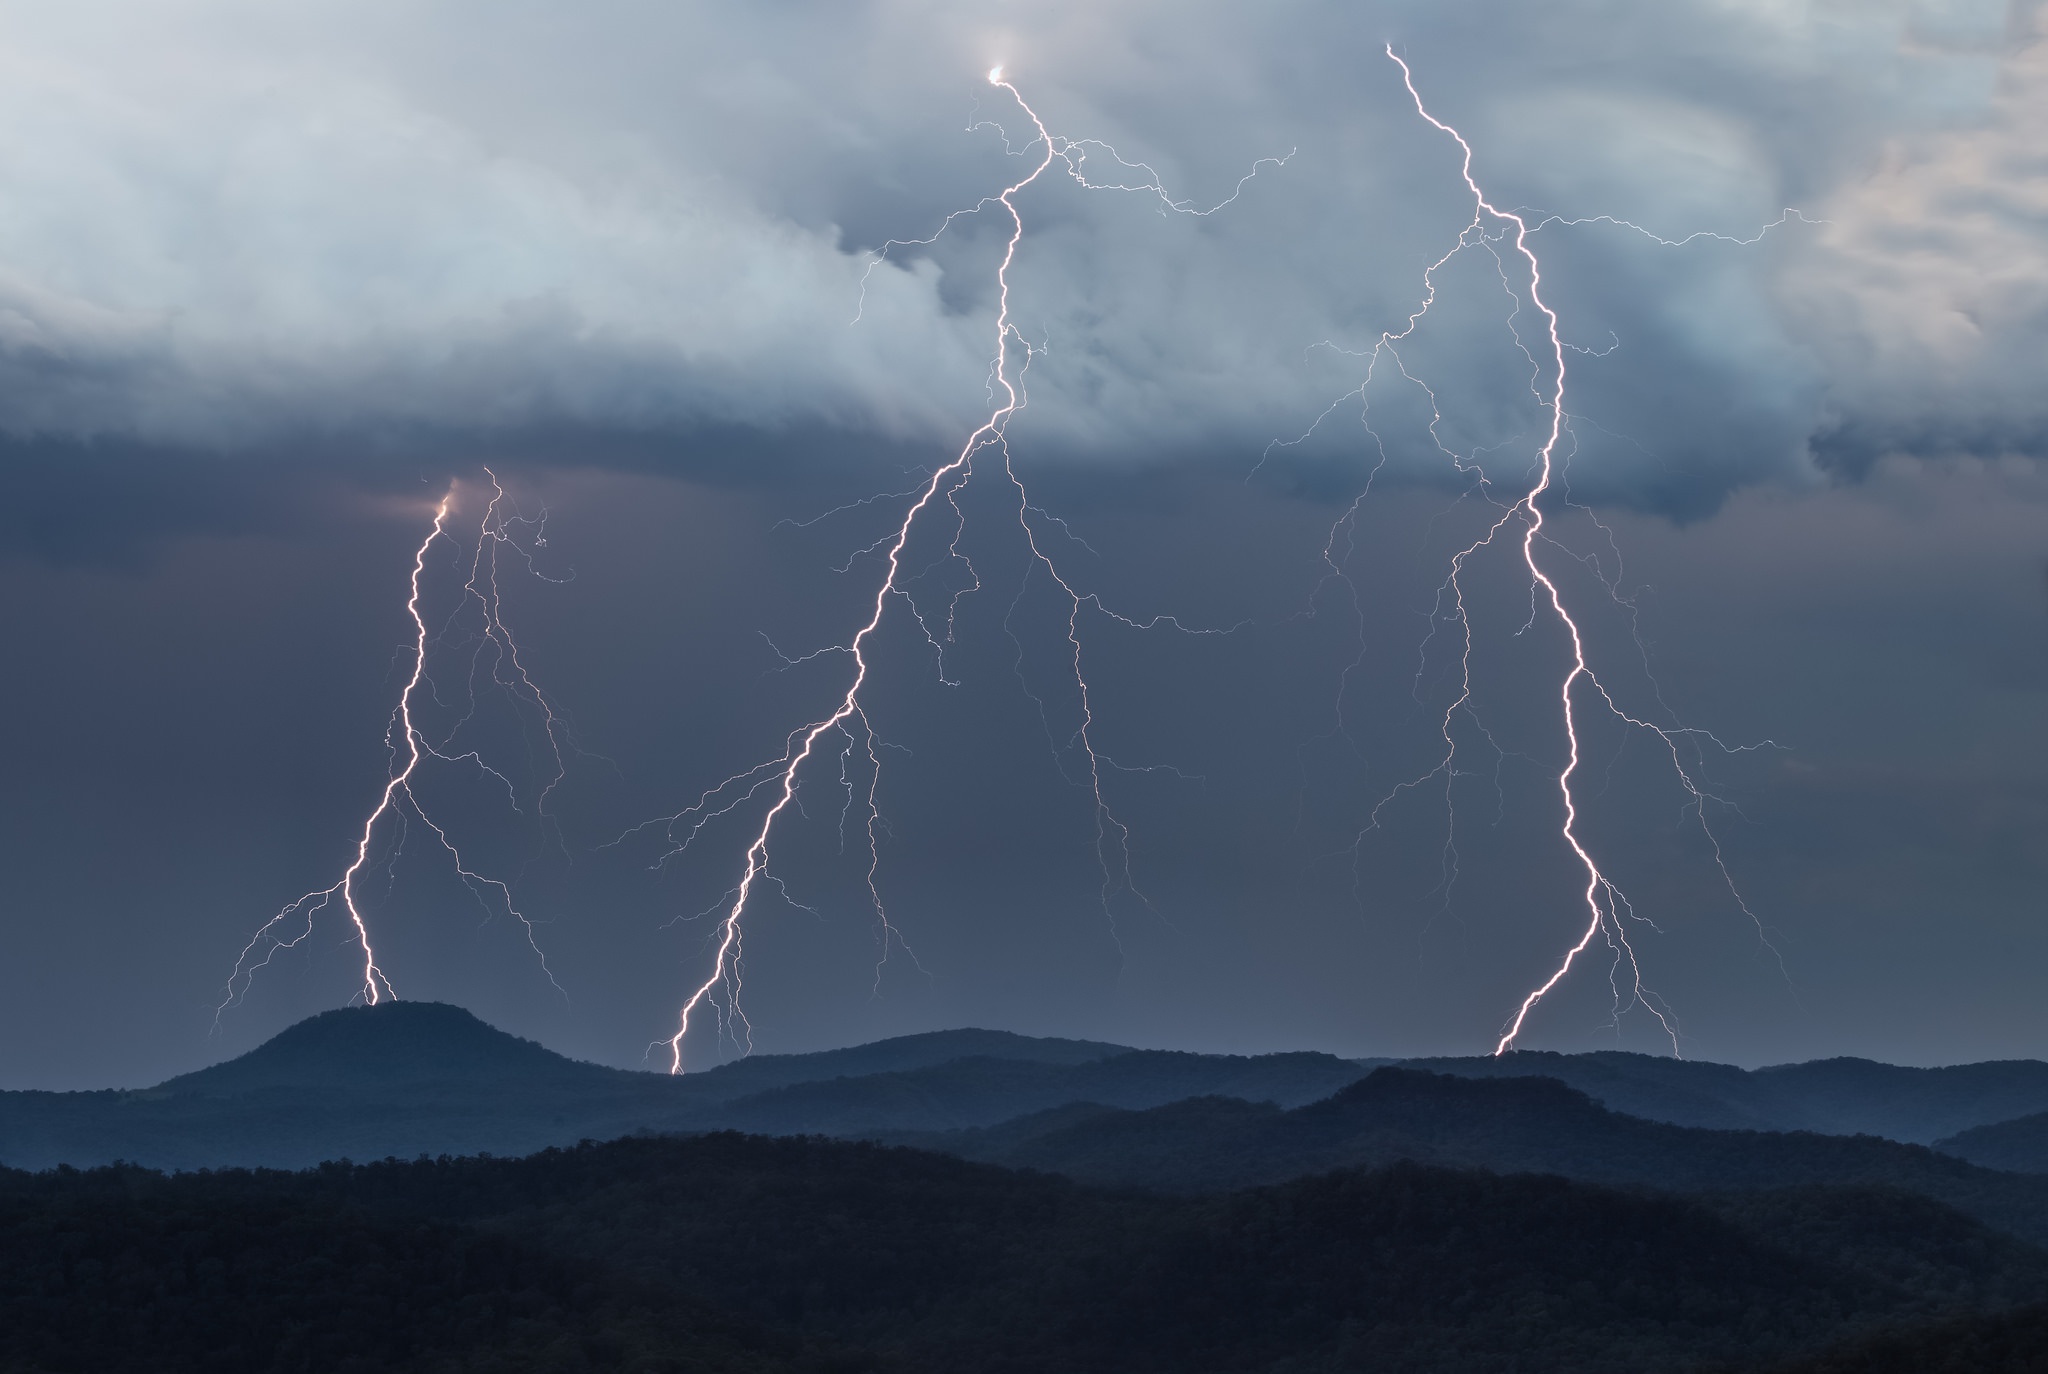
<point x="728" y="1252"/>
<point x="407" y="1078"/>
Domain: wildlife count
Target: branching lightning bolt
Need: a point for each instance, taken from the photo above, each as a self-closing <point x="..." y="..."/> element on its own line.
<point x="1607" y="909"/>
<point x="847" y="725"/>
<point x="410" y="748"/>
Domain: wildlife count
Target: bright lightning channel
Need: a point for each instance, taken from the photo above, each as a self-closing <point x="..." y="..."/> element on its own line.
<point x="1607" y="909"/>
<point x="410" y="748"/>
<point x="848" y="721"/>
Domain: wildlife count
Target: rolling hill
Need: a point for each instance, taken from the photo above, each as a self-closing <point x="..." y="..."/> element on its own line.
<point x="1177" y="1212"/>
<point x="1832" y="1096"/>
<point x="1508" y="1125"/>
<point x="406" y="1078"/>
<point x="411" y="1078"/>
<point x="2020" y="1145"/>
<point x="808" y="1256"/>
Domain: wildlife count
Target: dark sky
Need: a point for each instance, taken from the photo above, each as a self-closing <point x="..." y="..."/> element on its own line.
<point x="272" y="278"/>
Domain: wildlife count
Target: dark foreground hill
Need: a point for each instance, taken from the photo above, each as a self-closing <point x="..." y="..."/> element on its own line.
<point x="748" y="1254"/>
<point x="1998" y="1343"/>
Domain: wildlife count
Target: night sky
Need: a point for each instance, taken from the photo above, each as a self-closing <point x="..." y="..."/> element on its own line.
<point x="272" y="277"/>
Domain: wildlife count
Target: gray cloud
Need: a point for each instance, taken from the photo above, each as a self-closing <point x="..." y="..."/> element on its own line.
<point x="1927" y="297"/>
<point x="229" y="223"/>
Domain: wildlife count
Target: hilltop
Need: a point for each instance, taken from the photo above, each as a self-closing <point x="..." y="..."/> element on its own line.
<point x="410" y="1078"/>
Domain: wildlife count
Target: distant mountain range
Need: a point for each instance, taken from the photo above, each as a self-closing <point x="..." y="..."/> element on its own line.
<point x="411" y="1078"/>
<point x="1833" y="1096"/>
<point x="1512" y="1125"/>
<point x="1297" y="1212"/>
<point x="2020" y="1144"/>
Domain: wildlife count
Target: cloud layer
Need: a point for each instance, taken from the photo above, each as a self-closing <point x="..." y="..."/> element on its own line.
<point x="226" y="223"/>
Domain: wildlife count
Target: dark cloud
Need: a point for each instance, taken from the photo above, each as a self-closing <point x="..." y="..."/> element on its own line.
<point x="235" y="226"/>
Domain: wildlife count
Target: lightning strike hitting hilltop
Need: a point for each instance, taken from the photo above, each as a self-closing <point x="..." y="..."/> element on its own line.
<point x="1607" y="909"/>
<point x="847" y="727"/>
<point x="410" y="749"/>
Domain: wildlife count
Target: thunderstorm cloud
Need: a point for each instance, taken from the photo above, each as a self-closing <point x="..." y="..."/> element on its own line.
<point x="235" y="225"/>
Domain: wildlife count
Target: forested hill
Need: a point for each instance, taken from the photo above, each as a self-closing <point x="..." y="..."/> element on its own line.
<point x="750" y="1255"/>
<point x="1831" y="1096"/>
<point x="1401" y="1220"/>
<point x="1514" y="1124"/>
<point x="406" y="1078"/>
<point x="2020" y="1144"/>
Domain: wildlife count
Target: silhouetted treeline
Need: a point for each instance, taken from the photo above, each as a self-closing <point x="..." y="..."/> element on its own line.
<point x="111" y="1272"/>
<point x="739" y="1253"/>
<point x="411" y="1078"/>
<point x="2002" y="1343"/>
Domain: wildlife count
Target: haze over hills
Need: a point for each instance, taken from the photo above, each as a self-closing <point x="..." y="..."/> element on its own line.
<point x="1508" y="1125"/>
<point x="408" y="1078"/>
<point x="397" y="1044"/>
<point x="1837" y="1096"/>
<point x="425" y="1042"/>
<point x="2020" y="1144"/>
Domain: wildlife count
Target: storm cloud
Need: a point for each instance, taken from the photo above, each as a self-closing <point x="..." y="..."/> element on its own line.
<point x="232" y="225"/>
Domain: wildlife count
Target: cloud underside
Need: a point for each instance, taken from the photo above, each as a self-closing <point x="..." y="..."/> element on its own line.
<point x="225" y="224"/>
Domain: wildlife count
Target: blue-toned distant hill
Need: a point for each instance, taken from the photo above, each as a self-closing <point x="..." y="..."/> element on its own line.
<point x="405" y="1043"/>
<point x="397" y="1045"/>
<point x="410" y="1078"/>
<point x="2020" y="1145"/>
<point x="1508" y="1125"/>
<point x="1432" y="1223"/>
<point x="1480" y="1220"/>
<point x="1835" y="1096"/>
<point x="982" y="1091"/>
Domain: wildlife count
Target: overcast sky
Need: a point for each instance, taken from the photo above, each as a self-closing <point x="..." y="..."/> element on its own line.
<point x="272" y="276"/>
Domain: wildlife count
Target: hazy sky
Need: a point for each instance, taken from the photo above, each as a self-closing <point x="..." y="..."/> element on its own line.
<point x="273" y="275"/>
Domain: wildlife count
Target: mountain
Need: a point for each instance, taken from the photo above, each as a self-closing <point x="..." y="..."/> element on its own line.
<point x="1833" y="1096"/>
<point x="392" y="1045"/>
<point x="411" y="1078"/>
<point x="1184" y="1212"/>
<point x="1986" y="1343"/>
<point x="803" y="1256"/>
<point x="983" y="1091"/>
<point x="902" y="1054"/>
<point x="1509" y="1124"/>
<point x="2020" y="1145"/>
<point x="397" y="1044"/>
<point x="1918" y="1105"/>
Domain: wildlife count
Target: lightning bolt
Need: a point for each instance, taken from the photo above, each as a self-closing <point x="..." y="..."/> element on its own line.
<point x="847" y="726"/>
<point x="410" y="748"/>
<point x="1607" y="911"/>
